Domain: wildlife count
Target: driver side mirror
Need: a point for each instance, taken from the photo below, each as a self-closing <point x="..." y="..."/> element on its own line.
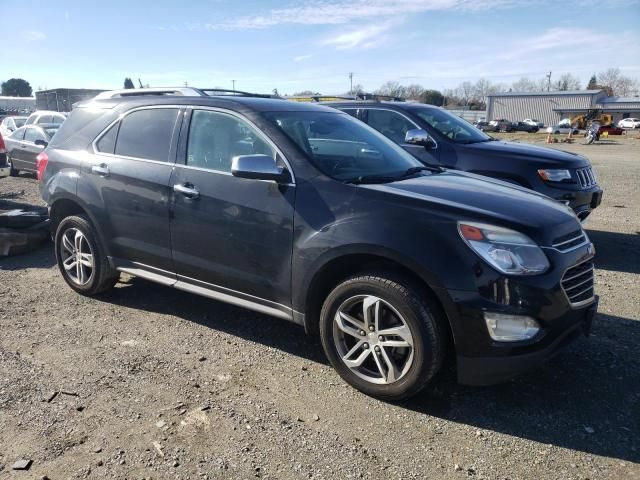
<point x="258" y="167"/>
<point x="41" y="143"/>
<point x="420" y="137"/>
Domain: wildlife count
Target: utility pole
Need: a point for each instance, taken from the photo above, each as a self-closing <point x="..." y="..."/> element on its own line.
<point x="548" y="81"/>
<point x="351" y="83"/>
<point x="233" y="83"/>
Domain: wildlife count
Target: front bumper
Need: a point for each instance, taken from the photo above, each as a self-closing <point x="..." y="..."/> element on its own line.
<point x="5" y="171"/>
<point x="479" y="371"/>
<point x="582" y="202"/>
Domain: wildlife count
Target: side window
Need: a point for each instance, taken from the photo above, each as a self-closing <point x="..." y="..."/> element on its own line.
<point x="147" y="134"/>
<point x="215" y="138"/>
<point x="45" y="119"/>
<point x="391" y="124"/>
<point x="351" y="111"/>
<point x="57" y="120"/>
<point x="107" y="143"/>
<point x="18" y="134"/>
<point x="33" y="134"/>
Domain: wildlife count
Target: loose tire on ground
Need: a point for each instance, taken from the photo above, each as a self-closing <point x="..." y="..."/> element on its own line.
<point x="417" y="311"/>
<point x="80" y="233"/>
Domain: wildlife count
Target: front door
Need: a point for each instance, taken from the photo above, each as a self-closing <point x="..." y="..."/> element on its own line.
<point x="230" y="234"/>
<point x="25" y="156"/>
<point x="395" y="126"/>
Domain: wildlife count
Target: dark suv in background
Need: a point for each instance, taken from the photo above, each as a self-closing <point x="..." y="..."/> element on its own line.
<point x="304" y="213"/>
<point x="437" y="137"/>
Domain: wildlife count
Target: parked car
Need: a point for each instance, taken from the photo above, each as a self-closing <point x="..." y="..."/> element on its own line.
<point x="26" y="143"/>
<point x="9" y="124"/>
<point x="525" y="127"/>
<point x="45" y="117"/>
<point x="502" y="125"/>
<point x="485" y="126"/>
<point x="450" y="142"/>
<point x="562" y="129"/>
<point x="534" y="122"/>
<point x="5" y="169"/>
<point x="304" y="213"/>
<point x="610" y="129"/>
<point x="629" y="123"/>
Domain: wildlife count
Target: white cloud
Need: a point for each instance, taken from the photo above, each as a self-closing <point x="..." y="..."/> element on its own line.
<point x="302" y="58"/>
<point x="33" y="36"/>
<point x="338" y="12"/>
<point x="367" y="37"/>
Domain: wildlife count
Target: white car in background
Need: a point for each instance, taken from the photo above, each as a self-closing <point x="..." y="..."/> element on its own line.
<point x="46" y="116"/>
<point x="629" y="123"/>
<point x="534" y="122"/>
<point x="10" y="124"/>
<point x="562" y="128"/>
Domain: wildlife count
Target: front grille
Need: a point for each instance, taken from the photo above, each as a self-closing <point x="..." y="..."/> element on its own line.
<point x="577" y="284"/>
<point x="586" y="177"/>
<point x="569" y="241"/>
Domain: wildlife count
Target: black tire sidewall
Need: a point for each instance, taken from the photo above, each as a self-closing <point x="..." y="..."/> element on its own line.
<point x="419" y="320"/>
<point x="82" y="224"/>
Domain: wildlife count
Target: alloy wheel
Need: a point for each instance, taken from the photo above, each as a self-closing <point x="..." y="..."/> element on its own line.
<point x="77" y="256"/>
<point x="373" y="339"/>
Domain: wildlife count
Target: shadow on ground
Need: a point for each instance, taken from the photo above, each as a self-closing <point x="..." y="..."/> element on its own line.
<point x="594" y="384"/>
<point x="615" y="251"/>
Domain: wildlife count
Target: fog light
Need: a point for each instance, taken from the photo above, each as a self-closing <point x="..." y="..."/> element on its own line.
<point x="510" y="328"/>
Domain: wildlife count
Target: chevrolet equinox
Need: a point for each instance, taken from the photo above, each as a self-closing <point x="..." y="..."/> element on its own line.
<point x="302" y="212"/>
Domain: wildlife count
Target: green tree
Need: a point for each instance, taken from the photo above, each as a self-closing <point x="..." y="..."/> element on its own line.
<point x="593" y="83"/>
<point x="16" y="87"/>
<point x="128" y="83"/>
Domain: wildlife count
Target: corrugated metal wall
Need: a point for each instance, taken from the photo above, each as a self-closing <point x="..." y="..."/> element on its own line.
<point x="62" y="99"/>
<point x="519" y="107"/>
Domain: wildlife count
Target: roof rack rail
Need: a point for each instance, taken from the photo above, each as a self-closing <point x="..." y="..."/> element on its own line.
<point x="238" y="93"/>
<point x="138" y="92"/>
<point x="334" y="98"/>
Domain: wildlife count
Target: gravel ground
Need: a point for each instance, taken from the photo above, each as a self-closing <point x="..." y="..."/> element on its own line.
<point x="150" y="382"/>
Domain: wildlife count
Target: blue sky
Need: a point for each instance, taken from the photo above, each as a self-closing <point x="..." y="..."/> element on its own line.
<point x="313" y="44"/>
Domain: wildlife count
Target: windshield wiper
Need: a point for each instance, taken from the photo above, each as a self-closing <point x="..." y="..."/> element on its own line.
<point x="372" y="179"/>
<point x="422" y="168"/>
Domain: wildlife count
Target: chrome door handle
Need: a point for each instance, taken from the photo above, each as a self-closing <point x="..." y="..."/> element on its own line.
<point x="101" y="170"/>
<point x="187" y="190"/>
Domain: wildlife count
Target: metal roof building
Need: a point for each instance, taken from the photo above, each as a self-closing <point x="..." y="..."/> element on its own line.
<point x="547" y="107"/>
<point x="62" y="99"/>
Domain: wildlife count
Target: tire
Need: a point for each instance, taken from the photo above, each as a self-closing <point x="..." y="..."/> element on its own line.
<point x="12" y="171"/>
<point x="94" y="275"/>
<point x="400" y="305"/>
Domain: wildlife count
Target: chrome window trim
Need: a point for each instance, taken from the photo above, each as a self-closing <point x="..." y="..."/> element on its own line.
<point x="409" y="120"/>
<point x="259" y="131"/>
<point x="94" y="144"/>
<point x="95" y="151"/>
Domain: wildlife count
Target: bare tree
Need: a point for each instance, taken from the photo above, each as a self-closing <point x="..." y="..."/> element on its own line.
<point x="414" y="92"/>
<point x="567" y="82"/>
<point x="619" y="84"/>
<point x="465" y="91"/>
<point x="392" y="89"/>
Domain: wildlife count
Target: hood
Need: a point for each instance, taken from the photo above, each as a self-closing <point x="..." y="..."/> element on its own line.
<point x="541" y="155"/>
<point x="466" y="196"/>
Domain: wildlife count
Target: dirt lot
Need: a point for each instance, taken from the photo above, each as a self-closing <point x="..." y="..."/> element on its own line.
<point x="158" y="383"/>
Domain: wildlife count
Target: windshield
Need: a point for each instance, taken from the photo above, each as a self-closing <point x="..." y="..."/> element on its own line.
<point x="50" y="131"/>
<point x="451" y="126"/>
<point x="19" y="122"/>
<point x="343" y="147"/>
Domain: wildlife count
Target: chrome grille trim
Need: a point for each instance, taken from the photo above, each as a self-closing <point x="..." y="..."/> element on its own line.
<point x="583" y="272"/>
<point x="586" y="177"/>
<point x="564" y="244"/>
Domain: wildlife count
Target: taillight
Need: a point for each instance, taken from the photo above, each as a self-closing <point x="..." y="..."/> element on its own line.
<point x="2" y="145"/>
<point x="41" y="163"/>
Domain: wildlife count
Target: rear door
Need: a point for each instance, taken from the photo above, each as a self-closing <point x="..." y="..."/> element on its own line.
<point x="27" y="151"/>
<point x="128" y="177"/>
<point x="394" y="125"/>
<point x="230" y="235"/>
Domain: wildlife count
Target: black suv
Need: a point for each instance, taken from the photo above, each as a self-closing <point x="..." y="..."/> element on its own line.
<point x="304" y="213"/>
<point x="441" y="138"/>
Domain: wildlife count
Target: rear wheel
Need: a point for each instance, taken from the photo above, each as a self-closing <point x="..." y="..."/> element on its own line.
<point x="81" y="259"/>
<point x="382" y="335"/>
<point x="12" y="170"/>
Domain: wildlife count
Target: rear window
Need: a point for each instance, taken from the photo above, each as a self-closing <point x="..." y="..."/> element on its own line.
<point x="147" y="134"/>
<point x="81" y="128"/>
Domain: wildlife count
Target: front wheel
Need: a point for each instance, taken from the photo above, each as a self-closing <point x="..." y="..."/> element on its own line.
<point x="81" y="259"/>
<point x="382" y="335"/>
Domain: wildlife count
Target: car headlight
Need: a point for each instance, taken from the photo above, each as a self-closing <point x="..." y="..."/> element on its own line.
<point x="554" y="175"/>
<point x="505" y="250"/>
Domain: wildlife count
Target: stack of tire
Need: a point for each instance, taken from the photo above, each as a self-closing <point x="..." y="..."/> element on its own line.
<point x="22" y="230"/>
